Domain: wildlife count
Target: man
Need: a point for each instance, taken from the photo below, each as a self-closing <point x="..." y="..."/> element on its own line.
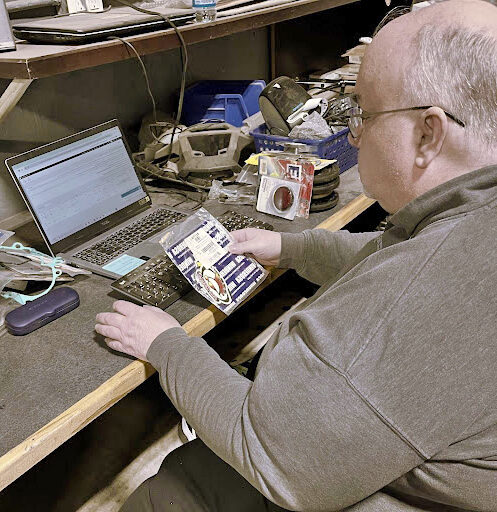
<point x="379" y="394"/>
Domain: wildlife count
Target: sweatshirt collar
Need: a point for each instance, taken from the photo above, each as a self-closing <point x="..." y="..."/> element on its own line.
<point x="454" y="197"/>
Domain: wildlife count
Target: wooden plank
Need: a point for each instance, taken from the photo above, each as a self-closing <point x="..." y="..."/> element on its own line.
<point x="38" y="61"/>
<point x="16" y="221"/>
<point x="346" y="214"/>
<point x="28" y="453"/>
<point x="25" y="455"/>
<point x="12" y="95"/>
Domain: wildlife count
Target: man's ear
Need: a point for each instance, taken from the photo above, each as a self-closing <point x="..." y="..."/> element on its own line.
<point x="433" y="126"/>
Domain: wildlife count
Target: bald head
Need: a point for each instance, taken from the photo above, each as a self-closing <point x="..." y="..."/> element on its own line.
<point x="444" y="58"/>
<point x="476" y="14"/>
<point x="444" y="55"/>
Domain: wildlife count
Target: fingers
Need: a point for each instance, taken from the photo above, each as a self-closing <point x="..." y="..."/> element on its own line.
<point x="153" y="308"/>
<point x="239" y="235"/>
<point x="109" y="331"/>
<point x="114" y="344"/>
<point x="241" y="248"/>
<point x="113" y="319"/>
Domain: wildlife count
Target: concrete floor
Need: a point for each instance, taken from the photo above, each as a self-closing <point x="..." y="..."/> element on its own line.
<point x="100" y="466"/>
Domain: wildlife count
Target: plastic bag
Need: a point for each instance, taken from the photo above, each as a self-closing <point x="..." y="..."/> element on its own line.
<point x="197" y="246"/>
<point x="5" y="235"/>
<point x="249" y="174"/>
<point x="6" y="277"/>
<point x="235" y="193"/>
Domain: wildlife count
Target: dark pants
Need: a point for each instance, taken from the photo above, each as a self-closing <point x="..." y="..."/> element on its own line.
<point x="192" y="478"/>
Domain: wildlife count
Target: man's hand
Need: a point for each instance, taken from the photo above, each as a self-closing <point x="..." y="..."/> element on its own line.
<point x="131" y="329"/>
<point x="264" y="245"/>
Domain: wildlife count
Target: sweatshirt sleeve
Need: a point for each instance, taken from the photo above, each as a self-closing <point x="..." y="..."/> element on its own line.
<point x="301" y="449"/>
<point x="318" y="254"/>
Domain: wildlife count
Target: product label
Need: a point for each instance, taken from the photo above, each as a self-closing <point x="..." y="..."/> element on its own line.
<point x="204" y="249"/>
<point x="295" y="172"/>
<point x="222" y="278"/>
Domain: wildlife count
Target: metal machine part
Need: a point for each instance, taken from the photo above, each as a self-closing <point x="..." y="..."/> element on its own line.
<point x="199" y="155"/>
<point x="210" y="149"/>
<point x="278" y="101"/>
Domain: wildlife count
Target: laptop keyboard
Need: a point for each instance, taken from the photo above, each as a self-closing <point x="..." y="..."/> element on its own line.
<point x="120" y="241"/>
<point x="158" y="282"/>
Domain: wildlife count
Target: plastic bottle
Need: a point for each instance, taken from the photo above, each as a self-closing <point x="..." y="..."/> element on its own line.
<point x="205" y="10"/>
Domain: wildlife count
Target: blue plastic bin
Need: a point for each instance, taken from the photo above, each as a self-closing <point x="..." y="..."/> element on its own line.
<point x="335" y="147"/>
<point x="222" y="100"/>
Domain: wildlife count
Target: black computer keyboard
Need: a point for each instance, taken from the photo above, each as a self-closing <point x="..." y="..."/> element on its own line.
<point x="158" y="282"/>
<point x="233" y="220"/>
<point x="117" y="243"/>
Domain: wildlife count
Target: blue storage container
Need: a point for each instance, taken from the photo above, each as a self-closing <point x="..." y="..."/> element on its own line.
<point x="231" y="101"/>
<point x="336" y="147"/>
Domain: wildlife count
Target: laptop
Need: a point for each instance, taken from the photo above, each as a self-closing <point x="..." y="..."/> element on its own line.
<point x="89" y="202"/>
<point x="87" y="27"/>
<point x="6" y="38"/>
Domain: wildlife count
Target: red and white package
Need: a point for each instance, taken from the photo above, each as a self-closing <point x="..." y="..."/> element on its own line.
<point x="297" y="170"/>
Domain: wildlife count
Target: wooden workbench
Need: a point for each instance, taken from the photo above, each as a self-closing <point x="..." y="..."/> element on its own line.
<point x="56" y="380"/>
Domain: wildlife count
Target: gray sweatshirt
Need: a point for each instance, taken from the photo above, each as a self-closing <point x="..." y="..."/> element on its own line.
<point x="380" y="392"/>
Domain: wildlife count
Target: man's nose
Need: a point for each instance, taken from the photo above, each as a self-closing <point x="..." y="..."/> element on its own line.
<point x="356" y="142"/>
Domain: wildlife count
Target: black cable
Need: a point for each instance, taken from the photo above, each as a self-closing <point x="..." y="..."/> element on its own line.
<point x="184" y="65"/>
<point x="147" y="168"/>
<point x="394" y="13"/>
<point x="144" y="71"/>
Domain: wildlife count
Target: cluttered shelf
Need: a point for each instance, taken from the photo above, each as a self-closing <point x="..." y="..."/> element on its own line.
<point x="31" y="61"/>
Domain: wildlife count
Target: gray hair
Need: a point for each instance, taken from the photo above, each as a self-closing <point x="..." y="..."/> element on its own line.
<point x="455" y="68"/>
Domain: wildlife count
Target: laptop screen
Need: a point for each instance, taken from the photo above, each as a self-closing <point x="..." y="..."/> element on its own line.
<point x="79" y="183"/>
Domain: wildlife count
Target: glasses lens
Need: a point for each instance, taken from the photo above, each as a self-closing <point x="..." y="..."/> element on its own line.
<point x="355" y="121"/>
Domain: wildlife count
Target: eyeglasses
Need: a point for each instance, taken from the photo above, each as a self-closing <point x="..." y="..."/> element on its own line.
<point x="355" y="116"/>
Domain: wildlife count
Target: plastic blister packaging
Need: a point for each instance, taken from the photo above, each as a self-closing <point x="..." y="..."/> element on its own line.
<point x="198" y="247"/>
<point x="249" y="174"/>
<point x="235" y="193"/>
<point x="286" y="185"/>
<point x="5" y="235"/>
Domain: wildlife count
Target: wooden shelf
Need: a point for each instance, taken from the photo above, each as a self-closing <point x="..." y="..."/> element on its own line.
<point x="31" y="61"/>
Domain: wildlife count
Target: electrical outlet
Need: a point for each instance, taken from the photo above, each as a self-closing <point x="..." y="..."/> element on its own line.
<point x="75" y="6"/>
<point x="94" y="5"/>
<point x="84" y="5"/>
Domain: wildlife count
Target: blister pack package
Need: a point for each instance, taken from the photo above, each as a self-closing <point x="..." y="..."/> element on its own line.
<point x="197" y="246"/>
<point x="286" y="185"/>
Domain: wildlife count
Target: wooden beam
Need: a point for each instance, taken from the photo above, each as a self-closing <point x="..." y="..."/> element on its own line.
<point x="11" y="96"/>
<point x="16" y="221"/>
<point x="346" y="214"/>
